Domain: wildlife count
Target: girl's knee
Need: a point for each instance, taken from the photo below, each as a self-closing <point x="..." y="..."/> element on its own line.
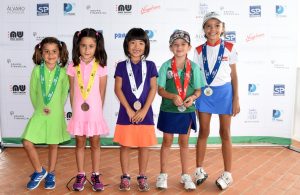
<point x="225" y="134"/>
<point x="167" y="143"/>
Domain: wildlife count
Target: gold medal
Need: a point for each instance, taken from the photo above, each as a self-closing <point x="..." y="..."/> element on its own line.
<point x="85" y="106"/>
<point x="137" y="105"/>
<point x="46" y="111"/>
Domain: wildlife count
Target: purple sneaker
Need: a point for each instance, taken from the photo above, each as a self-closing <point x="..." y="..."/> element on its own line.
<point x="142" y="183"/>
<point x="79" y="182"/>
<point x="97" y="184"/>
<point x="125" y="183"/>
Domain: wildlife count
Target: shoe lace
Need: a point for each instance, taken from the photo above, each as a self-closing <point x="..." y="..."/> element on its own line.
<point x="125" y="181"/>
<point x="79" y="179"/>
<point x="142" y="180"/>
<point x="95" y="179"/>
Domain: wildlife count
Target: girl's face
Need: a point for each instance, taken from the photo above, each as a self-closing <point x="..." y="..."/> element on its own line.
<point x="50" y="53"/>
<point x="213" y="29"/>
<point x="136" y="49"/>
<point x="87" y="49"/>
<point x="180" y="48"/>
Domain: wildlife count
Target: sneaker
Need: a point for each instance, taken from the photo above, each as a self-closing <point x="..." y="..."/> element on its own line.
<point x="50" y="181"/>
<point x="162" y="181"/>
<point x="224" y="180"/>
<point x="142" y="183"/>
<point x="79" y="182"/>
<point x="97" y="184"/>
<point x="36" y="178"/>
<point x="200" y="176"/>
<point x="188" y="182"/>
<point x="125" y="183"/>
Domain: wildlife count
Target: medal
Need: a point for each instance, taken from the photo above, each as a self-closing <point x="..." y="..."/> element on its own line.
<point x="85" y="106"/>
<point x="46" y="111"/>
<point x="208" y="91"/>
<point x="181" y="108"/>
<point x="137" y="105"/>
<point x="86" y="91"/>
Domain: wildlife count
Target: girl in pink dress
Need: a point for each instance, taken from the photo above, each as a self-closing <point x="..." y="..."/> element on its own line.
<point x="87" y="77"/>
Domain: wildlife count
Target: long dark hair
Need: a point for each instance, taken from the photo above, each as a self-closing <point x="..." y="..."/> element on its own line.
<point x="63" y="51"/>
<point x="100" y="53"/>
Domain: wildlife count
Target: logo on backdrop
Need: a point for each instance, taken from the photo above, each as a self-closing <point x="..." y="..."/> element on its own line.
<point x="230" y="36"/>
<point x="279" y="65"/>
<point x="124" y="9"/>
<point x="277" y="115"/>
<point x="120" y="35"/>
<point x="16" y="35"/>
<point x="94" y="11"/>
<point x="69" y="9"/>
<point x="68" y="115"/>
<point x="18" y="89"/>
<point x="202" y="10"/>
<point x="280" y="11"/>
<point x="16" y="116"/>
<point x="42" y="9"/>
<point x="149" y="8"/>
<point x="228" y="12"/>
<point x="279" y="90"/>
<point x="252" y="116"/>
<point x="255" y="11"/>
<point x="254" y="36"/>
<point x="13" y="64"/>
<point x="252" y="89"/>
<point x="15" y="9"/>
<point x="37" y="37"/>
<point x="151" y="34"/>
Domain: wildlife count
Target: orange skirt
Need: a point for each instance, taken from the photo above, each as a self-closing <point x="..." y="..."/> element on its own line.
<point x="135" y="135"/>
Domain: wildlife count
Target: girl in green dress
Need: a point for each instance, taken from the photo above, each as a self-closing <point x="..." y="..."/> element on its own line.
<point x="48" y="93"/>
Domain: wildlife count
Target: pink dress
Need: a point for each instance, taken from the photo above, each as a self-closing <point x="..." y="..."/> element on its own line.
<point x="91" y="122"/>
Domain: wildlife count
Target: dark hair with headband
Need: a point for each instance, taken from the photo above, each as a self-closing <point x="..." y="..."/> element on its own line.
<point x="63" y="51"/>
<point x="100" y="53"/>
<point x="136" y="34"/>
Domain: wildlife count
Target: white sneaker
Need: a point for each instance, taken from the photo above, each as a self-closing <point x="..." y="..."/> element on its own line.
<point x="224" y="180"/>
<point x="188" y="182"/>
<point x="200" y="175"/>
<point x="161" y="181"/>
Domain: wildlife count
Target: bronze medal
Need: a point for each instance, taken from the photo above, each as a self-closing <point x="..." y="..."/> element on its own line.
<point x="85" y="106"/>
<point x="46" y="111"/>
<point x="137" y="105"/>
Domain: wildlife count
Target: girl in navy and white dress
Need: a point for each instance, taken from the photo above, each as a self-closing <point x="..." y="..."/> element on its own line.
<point x="220" y="95"/>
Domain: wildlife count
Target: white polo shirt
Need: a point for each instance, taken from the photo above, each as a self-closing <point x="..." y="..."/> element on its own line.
<point x="229" y="58"/>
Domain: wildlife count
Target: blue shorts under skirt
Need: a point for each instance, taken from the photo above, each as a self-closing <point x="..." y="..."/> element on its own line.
<point x="220" y="102"/>
<point x="176" y="123"/>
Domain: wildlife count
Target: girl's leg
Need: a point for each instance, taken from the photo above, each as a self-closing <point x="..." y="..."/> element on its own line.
<point x="124" y="159"/>
<point x="52" y="157"/>
<point x="32" y="155"/>
<point x="79" y="152"/>
<point x="225" y="121"/>
<point x="165" y="150"/>
<point x="183" y="141"/>
<point x="95" y="153"/>
<point x="204" y="120"/>
<point x="143" y="160"/>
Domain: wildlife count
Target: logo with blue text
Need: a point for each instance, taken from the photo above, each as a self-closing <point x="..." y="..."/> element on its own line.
<point x="151" y="35"/>
<point x="255" y="11"/>
<point x="252" y="89"/>
<point x="230" y="36"/>
<point x="42" y="9"/>
<point x="124" y="9"/>
<point x="280" y="11"/>
<point x="279" y="90"/>
<point x="69" y="9"/>
<point x="120" y="35"/>
<point x="277" y="115"/>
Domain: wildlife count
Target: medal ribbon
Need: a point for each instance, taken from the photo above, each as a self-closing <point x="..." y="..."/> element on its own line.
<point x="47" y="97"/>
<point x="136" y="91"/>
<point x="210" y="76"/>
<point x="187" y="78"/>
<point x="85" y="92"/>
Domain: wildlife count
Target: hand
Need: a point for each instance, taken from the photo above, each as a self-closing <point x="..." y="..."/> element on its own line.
<point x="177" y="100"/>
<point x="188" y="101"/>
<point x="235" y="107"/>
<point x="139" y="116"/>
<point x="130" y="114"/>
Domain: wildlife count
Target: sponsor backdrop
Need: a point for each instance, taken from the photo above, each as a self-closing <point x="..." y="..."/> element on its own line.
<point x="263" y="31"/>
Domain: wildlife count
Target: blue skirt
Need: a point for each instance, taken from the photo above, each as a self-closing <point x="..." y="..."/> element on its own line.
<point x="220" y="102"/>
<point x="176" y="123"/>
